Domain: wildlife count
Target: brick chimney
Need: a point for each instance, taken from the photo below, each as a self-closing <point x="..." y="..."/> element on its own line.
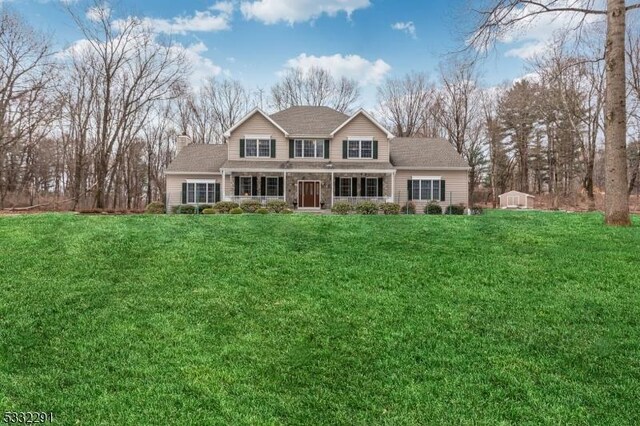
<point x="183" y="140"/>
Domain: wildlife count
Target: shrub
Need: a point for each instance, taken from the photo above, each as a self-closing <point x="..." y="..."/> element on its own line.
<point x="209" y="211"/>
<point x="200" y="207"/>
<point x="250" y="206"/>
<point x="277" y="206"/>
<point x="477" y="210"/>
<point x="455" y="209"/>
<point x="341" y="208"/>
<point x="409" y="208"/>
<point x="433" y="208"/>
<point x="225" y="206"/>
<point x="184" y="209"/>
<point x="367" y="207"/>
<point x="262" y="210"/>
<point x="390" y="208"/>
<point x="287" y="211"/>
<point x="154" y="208"/>
<point x="236" y="210"/>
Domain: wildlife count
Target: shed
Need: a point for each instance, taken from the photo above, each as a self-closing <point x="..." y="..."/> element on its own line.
<point x="516" y="200"/>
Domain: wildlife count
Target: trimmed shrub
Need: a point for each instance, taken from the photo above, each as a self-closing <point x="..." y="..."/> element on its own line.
<point x="262" y="210"/>
<point x="477" y="210"/>
<point x="154" y="208"/>
<point x="184" y="209"/>
<point x="277" y="206"/>
<point x="250" y="206"/>
<point x="455" y="209"/>
<point x="409" y="208"/>
<point x="287" y="211"/>
<point x="433" y="208"/>
<point x="200" y="208"/>
<point x="341" y="208"/>
<point x="367" y="207"/>
<point x="390" y="208"/>
<point x="225" y="206"/>
<point x="209" y="211"/>
<point x="236" y="210"/>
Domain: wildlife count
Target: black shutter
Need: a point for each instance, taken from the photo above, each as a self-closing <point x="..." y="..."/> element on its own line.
<point x="380" y="187"/>
<point x="375" y="150"/>
<point x="263" y="186"/>
<point x="216" y="197"/>
<point x="280" y="186"/>
<point x="326" y="148"/>
<point x="336" y="187"/>
<point x="354" y="187"/>
<point x="236" y="184"/>
<point x="409" y="190"/>
<point x="443" y="194"/>
<point x="184" y="192"/>
<point x="291" y="148"/>
<point x="273" y="148"/>
<point x="363" y="187"/>
<point x="241" y="148"/>
<point x="254" y="186"/>
<point x="344" y="149"/>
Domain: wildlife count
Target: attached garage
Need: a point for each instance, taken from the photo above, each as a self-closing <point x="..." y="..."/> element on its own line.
<point x="516" y="200"/>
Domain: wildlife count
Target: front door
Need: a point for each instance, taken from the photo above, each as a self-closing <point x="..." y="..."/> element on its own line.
<point x="309" y="194"/>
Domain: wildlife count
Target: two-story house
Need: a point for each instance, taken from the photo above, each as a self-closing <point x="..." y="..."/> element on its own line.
<point x="313" y="157"/>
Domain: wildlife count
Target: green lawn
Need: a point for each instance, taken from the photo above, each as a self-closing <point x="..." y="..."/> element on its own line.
<point x="508" y="318"/>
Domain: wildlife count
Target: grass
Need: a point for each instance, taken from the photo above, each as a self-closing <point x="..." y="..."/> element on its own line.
<point x="508" y="318"/>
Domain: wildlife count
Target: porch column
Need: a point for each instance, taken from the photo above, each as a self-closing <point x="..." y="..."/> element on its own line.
<point x="223" y="196"/>
<point x="333" y="190"/>
<point x="393" y="186"/>
<point x="284" y="186"/>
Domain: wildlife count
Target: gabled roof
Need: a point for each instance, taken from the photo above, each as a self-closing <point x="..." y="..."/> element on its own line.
<point x="199" y="158"/>
<point x="424" y="153"/>
<point x="515" y="192"/>
<point x="318" y="121"/>
<point x="366" y="114"/>
<point x="251" y="114"/>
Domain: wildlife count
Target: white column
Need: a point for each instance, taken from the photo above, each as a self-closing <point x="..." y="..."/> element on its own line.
<point x="333" y="190"/>
<point x="284" y="186"/>
<point x="223" y="196"/>
<point x="393" y="186"/>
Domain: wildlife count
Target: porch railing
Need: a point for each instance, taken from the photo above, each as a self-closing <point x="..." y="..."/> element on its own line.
<point x="357" y="200"/>
<point x="261" y="199"/>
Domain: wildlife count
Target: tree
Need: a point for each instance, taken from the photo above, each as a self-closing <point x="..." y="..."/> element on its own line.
<point x="316" y="87"/>
<point x="497" y="17"/>
<point x="404" y="101"/>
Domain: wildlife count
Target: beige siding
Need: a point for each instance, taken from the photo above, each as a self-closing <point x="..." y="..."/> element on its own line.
<point x="360" y="126"/>
<point x="456" y="186"/>
<point x="258" y="125"/>
<point x="174" y="186"/>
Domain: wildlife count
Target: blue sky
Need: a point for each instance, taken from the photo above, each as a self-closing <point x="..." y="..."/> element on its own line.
<point x="254" y="40"/>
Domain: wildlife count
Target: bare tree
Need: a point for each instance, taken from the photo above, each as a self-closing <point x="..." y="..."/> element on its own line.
<point x="497" y="17"/>
<point x="316" y="87"/>
<point x="403" y="102"/>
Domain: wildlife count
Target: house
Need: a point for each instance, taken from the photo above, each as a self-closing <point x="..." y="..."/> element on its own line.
<point x="516" y="200"/>
<point x="313" y="157"/>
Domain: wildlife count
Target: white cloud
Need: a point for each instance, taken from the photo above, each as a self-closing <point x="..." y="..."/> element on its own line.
<point x="215" y="18"/>
<point x="407" y="27"/>
<point x="534" y="35"/>
<point x="350" y="66"/>
<point x="292" y="11"/>
<point x="201" y="66"/>
<point x="98" y="13"/>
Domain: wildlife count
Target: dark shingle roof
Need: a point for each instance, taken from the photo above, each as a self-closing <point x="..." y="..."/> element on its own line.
<point x="307" y="165"/>
<point x="199" y="158"/>
<point x="317" y="121"/>
<point x="424" y="153"/>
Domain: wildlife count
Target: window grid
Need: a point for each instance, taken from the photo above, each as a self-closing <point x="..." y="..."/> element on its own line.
<point x="272" y="187"/>
<point x="425" y="189"/>
<point x="246" y="185"/>
<point x="201" y="193"/>
<point x="371" y="187"/>
<point x="308" y="148"/>
<point x="345" y="187"/>
<point x="360" y="149"/>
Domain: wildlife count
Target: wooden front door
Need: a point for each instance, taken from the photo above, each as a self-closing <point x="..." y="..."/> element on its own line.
<point x="309" y="194"/>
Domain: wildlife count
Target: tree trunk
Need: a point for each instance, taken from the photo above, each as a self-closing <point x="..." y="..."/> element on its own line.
<point x="616" y="195"/>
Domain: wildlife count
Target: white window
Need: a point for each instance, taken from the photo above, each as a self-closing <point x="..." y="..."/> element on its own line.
<point x="425" y="189"/>
<point x="257" y="147"/>
<point x="246" y="185"/>
<point x="309" y="148"/>
<point x="345" y="188"/>
<point x="371" y="187"/>
<point x="200" y="192"/>
<point x="273" y="186"/>
<point x="360" y="148"/>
